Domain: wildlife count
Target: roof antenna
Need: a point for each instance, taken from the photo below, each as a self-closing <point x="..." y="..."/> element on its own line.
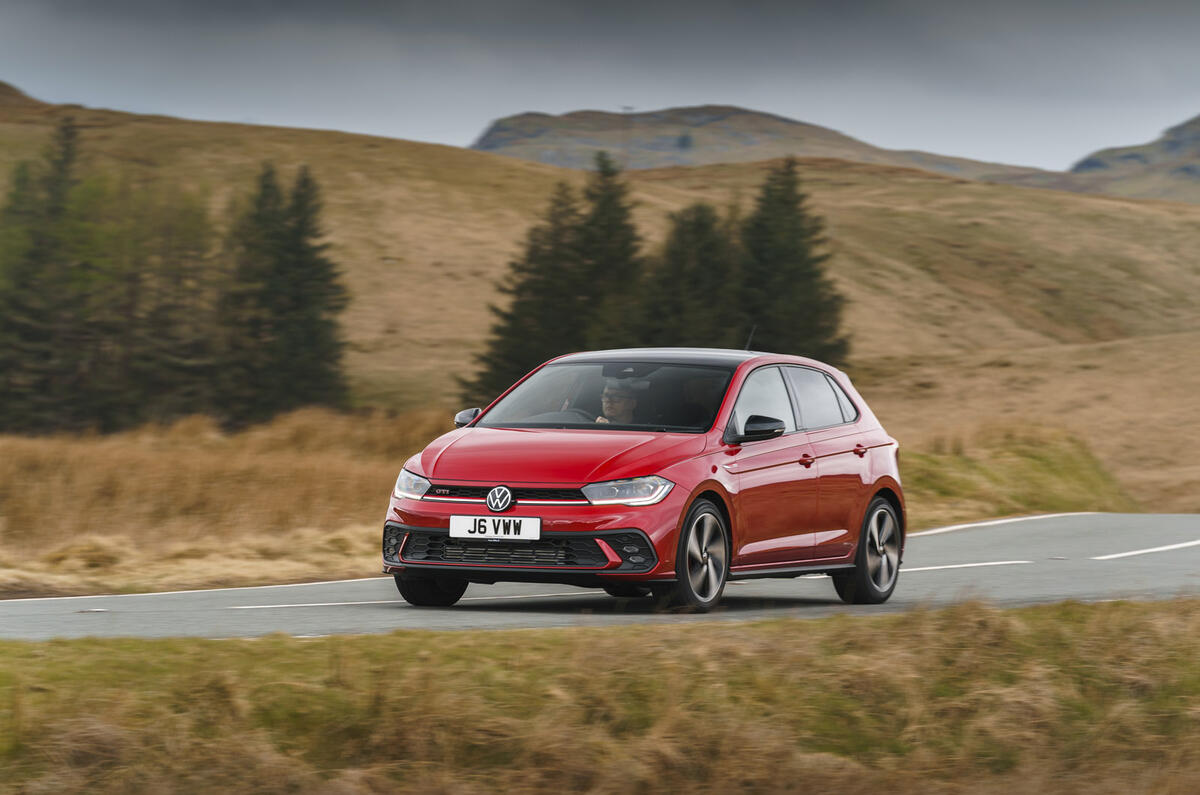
<point x="751" y="336"/>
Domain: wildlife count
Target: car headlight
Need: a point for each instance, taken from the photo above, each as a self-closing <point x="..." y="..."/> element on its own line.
<point x="634" y="491"/>
<point x="410" y="485"/>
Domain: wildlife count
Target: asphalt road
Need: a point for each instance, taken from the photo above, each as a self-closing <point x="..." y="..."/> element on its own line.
<point x="1089" y="557"/>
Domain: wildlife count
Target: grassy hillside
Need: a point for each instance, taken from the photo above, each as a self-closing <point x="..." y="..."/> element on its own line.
<point x="1091" y="300"/>
<point x="1066" y="698"/>
<point x="700" y="135"/>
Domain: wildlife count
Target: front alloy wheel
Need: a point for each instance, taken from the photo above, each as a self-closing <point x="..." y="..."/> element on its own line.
<point x="877" y="564"/>
<point x="702" y="561"/>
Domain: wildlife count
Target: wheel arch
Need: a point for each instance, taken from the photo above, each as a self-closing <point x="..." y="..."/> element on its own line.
<point x="722" y="506"/>
<point x="894" y="500"/>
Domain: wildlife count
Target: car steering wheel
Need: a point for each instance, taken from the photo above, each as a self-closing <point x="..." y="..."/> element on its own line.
<point x="587" y="415"/>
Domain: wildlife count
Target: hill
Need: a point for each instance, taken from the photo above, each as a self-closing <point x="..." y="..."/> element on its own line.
<point x="969" y="303"/>
<point x="700" y="135"/>
<point x="13" y="97"/>
<point x="1168" y="167"/>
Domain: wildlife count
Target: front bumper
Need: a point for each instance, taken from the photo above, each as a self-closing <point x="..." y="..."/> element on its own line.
<point x="556" y="556"/>
<point x="579" y="544"/>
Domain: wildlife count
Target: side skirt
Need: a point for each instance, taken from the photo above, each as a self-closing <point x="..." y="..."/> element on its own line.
<point x="788" y="571"/>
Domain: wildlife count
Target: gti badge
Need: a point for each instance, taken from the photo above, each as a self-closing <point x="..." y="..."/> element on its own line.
<point x="499" y="498"/>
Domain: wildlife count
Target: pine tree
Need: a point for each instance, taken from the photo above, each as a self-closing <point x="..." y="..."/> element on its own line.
<point x="687" y="301"/>
<point x="282" y="346"/>
<point x="609" y="245"/>
<point x="171" y="347"/>
<point x="308" y="345"/>
<point x="786" y="298"/>
<point x="550" y="298"/>
<point x="245" y="306"/>
<point x="41" y="296"/>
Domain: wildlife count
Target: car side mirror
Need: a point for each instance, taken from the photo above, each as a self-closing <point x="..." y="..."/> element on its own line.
<point x="757" y="428"/>
<point x="466" y="417"/>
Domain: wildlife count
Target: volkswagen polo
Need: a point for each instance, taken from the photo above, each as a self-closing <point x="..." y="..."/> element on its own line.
<point x="664" y="472"/>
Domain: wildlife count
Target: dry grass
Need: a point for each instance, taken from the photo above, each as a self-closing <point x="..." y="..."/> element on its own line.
<point x="1002" y="471"/>
<point x="1132" y="402"/>
<point x="1070" y="698"/>
<point x="303" y="498"/>
<point x="186" y="505"/>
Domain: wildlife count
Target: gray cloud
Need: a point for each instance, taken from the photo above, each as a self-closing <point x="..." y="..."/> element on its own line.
<point x="1022" y="81"/>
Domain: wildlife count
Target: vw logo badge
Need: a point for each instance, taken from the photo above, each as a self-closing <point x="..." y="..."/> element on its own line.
<point x="499" y="498"/>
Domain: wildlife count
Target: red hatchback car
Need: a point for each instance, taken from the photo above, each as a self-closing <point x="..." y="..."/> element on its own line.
<point x="654" y="471"/>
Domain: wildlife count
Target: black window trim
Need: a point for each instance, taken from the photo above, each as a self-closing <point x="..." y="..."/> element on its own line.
<point x="796" y="408"/>
<point x="839" y="391"/>
<point x="787" y="388"/>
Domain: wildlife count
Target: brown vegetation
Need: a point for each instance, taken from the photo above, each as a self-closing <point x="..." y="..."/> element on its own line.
<point x="1069" y="698"/>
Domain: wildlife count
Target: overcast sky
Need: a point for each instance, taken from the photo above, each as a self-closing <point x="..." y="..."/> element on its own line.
<point x="1014" y="81"/>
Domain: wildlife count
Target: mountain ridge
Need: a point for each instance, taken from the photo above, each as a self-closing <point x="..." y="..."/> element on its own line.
<point x="701" y="135"/>
<point x="1168" y="168"/>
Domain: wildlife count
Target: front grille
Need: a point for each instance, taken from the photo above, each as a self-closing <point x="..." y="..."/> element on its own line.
<point x="545" y="552"/>
<point x="480" y="493"/>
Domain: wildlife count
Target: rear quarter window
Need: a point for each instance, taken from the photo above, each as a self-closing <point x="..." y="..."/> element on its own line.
<point x="849" y="412"/>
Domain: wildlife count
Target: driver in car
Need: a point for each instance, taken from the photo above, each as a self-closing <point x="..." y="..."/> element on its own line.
<point x="617" y="402"/>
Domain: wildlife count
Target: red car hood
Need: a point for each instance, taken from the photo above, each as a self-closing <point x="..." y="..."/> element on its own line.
<point x="576" y="457"/>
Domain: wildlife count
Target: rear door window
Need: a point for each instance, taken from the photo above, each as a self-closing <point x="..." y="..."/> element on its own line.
<point x="819" y="406"/>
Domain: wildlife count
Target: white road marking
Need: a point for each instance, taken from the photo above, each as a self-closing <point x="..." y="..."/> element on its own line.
<point x="906" y="570"/>
<point x="312" y="604"/>
<point x="194" y="590"/>
<point x="398" y="601"/>
<point x="989" y="523"/>
<point x="1148" y="551"/>
<point x="527" y="596"/>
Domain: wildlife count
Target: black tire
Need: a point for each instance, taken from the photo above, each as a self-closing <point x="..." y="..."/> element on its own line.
<point x="877" y="562"/>
<point x="429" y="591"/>
<point x="627" y="590"/>
<point x="697" y="567"/>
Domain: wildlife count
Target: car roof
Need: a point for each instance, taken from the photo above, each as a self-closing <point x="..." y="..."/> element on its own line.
<point x="723" y="357"/>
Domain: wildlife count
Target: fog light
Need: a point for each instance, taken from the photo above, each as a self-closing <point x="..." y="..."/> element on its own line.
<point x="631" y="548"/>
<point x="636" y="559"/>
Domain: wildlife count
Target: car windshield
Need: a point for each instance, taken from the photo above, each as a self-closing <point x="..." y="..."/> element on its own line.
<point x="643" y="396"/>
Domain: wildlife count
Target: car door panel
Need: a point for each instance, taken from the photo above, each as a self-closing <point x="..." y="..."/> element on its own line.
<point x="777" y="479"/>
<point x="777" y="500"/>
<point x="840" y="456"/>
<point x="840" y="450"/>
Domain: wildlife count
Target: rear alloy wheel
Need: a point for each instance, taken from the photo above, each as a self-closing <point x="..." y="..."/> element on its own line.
<point x="627" y="590"/>
<point x="877" y="564"/>
<point x="429" y="591"/>
<point x="702" y="560"/>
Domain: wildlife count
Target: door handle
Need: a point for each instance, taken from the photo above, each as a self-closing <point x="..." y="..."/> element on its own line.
<point x="806" y="460"/>
<point x="860" y="451"/>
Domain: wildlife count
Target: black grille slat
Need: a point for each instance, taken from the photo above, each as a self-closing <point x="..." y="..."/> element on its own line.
<point x="480" y="492"/>
<point x="547" y="494"/>
<point x="545" y="552"/>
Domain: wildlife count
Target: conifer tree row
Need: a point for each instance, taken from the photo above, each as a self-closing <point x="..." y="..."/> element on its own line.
<point x="582" y="281"/>
<point x="117" y="307"/>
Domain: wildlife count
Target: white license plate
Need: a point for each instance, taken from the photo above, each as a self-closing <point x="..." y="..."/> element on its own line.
<point x="507" y="528"/>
